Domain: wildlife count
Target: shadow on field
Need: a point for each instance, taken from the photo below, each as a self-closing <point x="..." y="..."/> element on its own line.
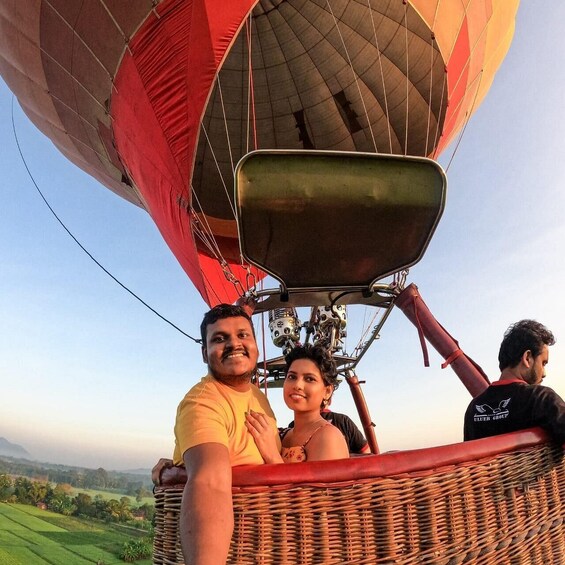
<point x="77" y="538"/>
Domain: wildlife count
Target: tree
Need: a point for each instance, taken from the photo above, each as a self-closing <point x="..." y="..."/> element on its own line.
<point x="65" y="488"/>
<point x="125" y="509"/>
<point x="22" y="489"/>
<point x="62" y="503"/>
<point x="38" y="492"/>
<point x="112" y="513"/>
<point x="102" y="479"/>
<point x="141" y="493"/>
<point x="6" y="485"/>
<point x="83" y="503"/>
<point x="147" y="511"/>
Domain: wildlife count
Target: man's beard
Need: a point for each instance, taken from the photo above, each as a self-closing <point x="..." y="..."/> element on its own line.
<point x="230" y="379"/>
<point x="531" y="377"/>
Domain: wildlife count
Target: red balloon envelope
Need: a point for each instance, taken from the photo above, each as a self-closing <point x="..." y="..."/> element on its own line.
<point x="159" y="100"/>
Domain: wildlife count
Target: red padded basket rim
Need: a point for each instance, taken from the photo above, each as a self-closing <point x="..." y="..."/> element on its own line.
<point x="372" y="466"/>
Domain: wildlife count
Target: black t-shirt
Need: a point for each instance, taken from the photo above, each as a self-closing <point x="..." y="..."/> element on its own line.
<point x="355" y="439"/>
<point x="514" y="406"/>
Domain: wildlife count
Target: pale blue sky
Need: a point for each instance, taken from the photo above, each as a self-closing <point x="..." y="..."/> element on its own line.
<point x="90" y="377"/>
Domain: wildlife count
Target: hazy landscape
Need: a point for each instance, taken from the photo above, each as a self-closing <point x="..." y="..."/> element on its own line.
<point x="12" y="449"/>
<point x="60" y="514"/>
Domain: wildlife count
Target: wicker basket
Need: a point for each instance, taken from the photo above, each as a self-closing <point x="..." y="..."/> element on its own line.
<point x="495" y="501"/>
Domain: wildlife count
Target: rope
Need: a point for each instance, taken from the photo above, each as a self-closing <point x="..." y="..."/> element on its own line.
<point x="80" y="244"/>
<point x="421" y="334"/>
<point x="457" y="353"/>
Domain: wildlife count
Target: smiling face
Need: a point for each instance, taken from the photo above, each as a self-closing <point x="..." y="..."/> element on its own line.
<point x="231" y="351"/>
<point x="304" y="388"/>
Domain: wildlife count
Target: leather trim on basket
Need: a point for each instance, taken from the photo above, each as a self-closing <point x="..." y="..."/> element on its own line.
<point x="386" y="464"/>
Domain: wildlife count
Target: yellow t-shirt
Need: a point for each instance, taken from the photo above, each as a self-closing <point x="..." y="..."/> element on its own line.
<point x="214" y="412"/>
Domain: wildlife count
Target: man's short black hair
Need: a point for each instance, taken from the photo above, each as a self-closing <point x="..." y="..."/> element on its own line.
<point x="520" y="337"/>
<point x="320" y="356"/>
<point x="220" y="312"/>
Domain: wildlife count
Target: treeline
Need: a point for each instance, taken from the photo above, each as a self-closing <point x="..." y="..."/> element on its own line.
<point x="59" y="499"/>
<point x="99" y="478"/>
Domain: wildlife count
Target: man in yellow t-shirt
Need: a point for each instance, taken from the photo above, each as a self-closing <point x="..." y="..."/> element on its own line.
<point x="210" y="433"/>
<point x="214" y="412"/>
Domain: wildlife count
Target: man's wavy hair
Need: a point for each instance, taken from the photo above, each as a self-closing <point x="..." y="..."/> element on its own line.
<point x="520" y="337"/>
<point x="220" y="312"/>
<point x="321" y="358"/>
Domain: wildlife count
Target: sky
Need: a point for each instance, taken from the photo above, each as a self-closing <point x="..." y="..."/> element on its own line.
<point x="90" y="377"/>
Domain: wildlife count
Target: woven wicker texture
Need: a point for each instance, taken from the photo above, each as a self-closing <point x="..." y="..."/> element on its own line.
<point x="503" y="509"/>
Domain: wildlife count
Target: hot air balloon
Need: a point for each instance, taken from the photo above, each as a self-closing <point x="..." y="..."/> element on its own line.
<point x="161" y="99"/>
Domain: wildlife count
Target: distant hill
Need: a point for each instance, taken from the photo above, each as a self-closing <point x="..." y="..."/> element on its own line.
<point x="12" y="449"/>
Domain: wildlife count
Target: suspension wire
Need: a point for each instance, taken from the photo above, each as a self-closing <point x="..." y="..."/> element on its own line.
<point x="407" y="76"/>
<point x="382" y="74"/>
<point x="206" y="235"/>
<point x="432" y="39"/>
<point x="251" y="85"/>
<point x="438" y="118"/>
<point x="248" y="91"/>
<point x="219" y="170"/>
<point x="225" y="120"/>
<point x="441" y="102"/>
<point x="480" y="77"/>
<point x="467" y="62"/>
<point x="443" y="87"/>
<point x="203" y="237"/>
<point x="365" y="312"/>
<point x="355" y="77"/>
<point x="398" y="280"/>
<point x="366" y="330"/>
<point x="204" y="232"/>
<point x="467" y="118"/>
<point x="80" y="244"/>
<point x="264" y="346"/>
<point x="209" y="240"/>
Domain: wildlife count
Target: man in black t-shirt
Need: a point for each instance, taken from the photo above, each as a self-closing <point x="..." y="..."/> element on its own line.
<point x="356" y="441"/>
<point x="517" y="400"/>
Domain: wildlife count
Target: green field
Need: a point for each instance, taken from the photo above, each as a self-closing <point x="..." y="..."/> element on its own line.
<point x="30" y="536"/>
<point x="108" y="495"/>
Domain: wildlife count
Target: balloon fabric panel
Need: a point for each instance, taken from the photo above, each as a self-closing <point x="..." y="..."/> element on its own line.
<point x="160" y="101"/>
